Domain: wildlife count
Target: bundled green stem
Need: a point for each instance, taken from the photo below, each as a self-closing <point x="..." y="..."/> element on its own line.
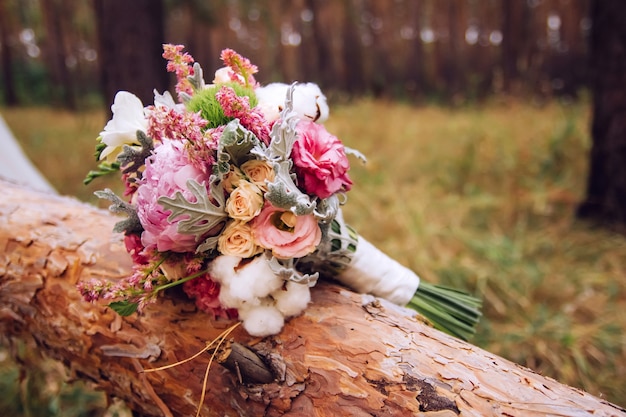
<point x="449" y="310"/>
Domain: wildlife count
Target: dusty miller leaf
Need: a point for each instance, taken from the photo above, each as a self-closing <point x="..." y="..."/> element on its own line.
<point x="283" y="192"/>
<point x="202" y="216"/>
<point x="284" y="132"/>
<point x="130" y="225"/>
<point x="133" y="158"/>
<point x="235" y="143"/>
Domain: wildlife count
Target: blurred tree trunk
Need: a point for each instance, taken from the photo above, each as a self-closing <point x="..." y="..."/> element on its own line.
<point x="346" y="355"/>
<point x="6" y="55"/>
<point x="131" y="36"/>
<point x="606" y="188"/>
<point x="57" y="17"/>
<point x="513" y="16"/>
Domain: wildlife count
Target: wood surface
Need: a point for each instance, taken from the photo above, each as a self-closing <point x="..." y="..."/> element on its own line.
<point x="347" y="355"/>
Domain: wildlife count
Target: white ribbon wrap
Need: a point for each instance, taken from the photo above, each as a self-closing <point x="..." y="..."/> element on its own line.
<point x="373" y="272"/>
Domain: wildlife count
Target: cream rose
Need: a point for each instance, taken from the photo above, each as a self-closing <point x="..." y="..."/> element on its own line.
<point x="236" y="240"/>
<point x="245" y="202"/>
<point x="231" y="180"/>
<point x="258" y="172"/>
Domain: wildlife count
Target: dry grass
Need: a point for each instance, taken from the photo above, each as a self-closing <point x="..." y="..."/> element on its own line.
<point x="482" y="198"/>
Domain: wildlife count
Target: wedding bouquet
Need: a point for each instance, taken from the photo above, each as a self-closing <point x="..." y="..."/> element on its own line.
<point x="233" y="191"/>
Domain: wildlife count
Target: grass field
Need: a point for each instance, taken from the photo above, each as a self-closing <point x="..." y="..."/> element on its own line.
<point x="481" y="198"/>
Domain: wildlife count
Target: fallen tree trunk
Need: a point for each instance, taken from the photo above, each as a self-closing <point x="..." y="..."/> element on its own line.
<point x="346" y="355"/>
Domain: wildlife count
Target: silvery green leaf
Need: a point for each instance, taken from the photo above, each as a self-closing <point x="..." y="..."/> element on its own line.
<point x="132" y="157"/>
<point x="283" y="192"/>
<point x="132" y="223"/>
<point x="352" y="151"/>
<point x="166" y="100"/>
<point x="284" y="132"/>
<point x="327" y="208"/>
<point x="209" y="244"/>
<point x="235" y="143"/>
<point x="201" y="217"/>
<point x="285" y="270"/>
<point x="196" y="80"/>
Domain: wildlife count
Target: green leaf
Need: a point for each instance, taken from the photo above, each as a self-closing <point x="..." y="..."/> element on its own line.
<point x="124" y="308"/>
<point x="200" y="217"/>
<point x="448" y="309"/>
<point x="104" y="168"/>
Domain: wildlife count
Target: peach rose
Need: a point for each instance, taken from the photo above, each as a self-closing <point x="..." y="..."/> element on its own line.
<point x="230" y="180"/>
<point x="258" y="172"/>
<point x="237" y="240"/>
<point x="245" y="201"/>
<point x="284" y="233"/>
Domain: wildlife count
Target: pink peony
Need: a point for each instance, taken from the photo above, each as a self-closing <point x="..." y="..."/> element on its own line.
<point x="284" y="233"/>
<point x="167" y="171"/>
<point x="320" y="161"/>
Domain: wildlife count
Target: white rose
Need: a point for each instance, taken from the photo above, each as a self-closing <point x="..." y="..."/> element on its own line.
<point x="128" y="118"/>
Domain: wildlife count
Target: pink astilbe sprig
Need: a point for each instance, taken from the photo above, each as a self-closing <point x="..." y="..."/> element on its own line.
<point x="172" y="124"/>
<point x="242" y="68"/>
<point x="180" y="64"/>
<point x="238" y="107"/>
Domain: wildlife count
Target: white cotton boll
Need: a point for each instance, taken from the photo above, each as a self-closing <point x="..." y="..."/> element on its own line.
<point x="262" y="320"/>
<point x="271" y="100"/>
<point x="308" y="101"/>
<point x="228" y="300"/>
<point x="293" y="300"/>
<point x="222" y="268"/>
<point x="255" y="280"/>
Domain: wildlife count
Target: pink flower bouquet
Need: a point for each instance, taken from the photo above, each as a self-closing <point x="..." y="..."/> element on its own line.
<point x="233" y="191"/>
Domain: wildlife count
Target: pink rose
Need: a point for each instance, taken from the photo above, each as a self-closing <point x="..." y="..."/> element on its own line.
<point x="320" y="161"/>
<point x="284" y="233"/>
<point x="167" y="172"/>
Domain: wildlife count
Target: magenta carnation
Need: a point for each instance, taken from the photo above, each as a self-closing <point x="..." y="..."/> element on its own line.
<point x="206" y="294"/>
<point x="167" y="171"/>
<point x="320" y="161"/>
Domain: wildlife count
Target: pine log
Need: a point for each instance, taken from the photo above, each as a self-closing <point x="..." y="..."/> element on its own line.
<point x="347" y="355"/>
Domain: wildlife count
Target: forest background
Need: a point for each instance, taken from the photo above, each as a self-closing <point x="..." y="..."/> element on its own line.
<point x="475" y="116"/>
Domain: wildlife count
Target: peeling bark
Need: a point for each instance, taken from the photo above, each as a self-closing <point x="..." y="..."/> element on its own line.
<point x="348" y="354"/>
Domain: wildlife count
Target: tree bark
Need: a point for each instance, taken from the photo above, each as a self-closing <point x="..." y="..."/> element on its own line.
<point x="348" y="354"/>
<point x="606" y="189"/>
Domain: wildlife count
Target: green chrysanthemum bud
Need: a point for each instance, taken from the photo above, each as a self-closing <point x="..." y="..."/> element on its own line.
<point x="205" y="102"/>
